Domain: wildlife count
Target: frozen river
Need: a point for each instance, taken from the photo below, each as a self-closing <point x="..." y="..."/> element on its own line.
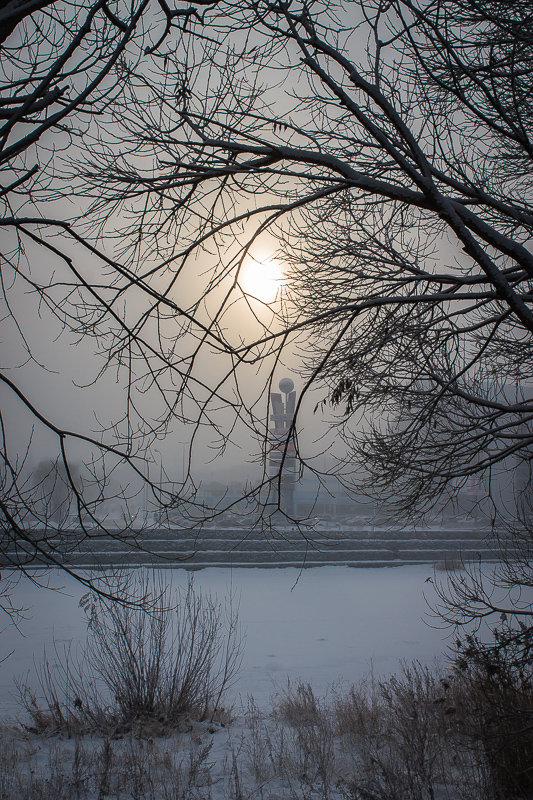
<point x="324" y="624"/>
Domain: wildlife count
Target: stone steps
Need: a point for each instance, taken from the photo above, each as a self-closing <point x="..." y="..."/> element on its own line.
<point x="360" y="547"/>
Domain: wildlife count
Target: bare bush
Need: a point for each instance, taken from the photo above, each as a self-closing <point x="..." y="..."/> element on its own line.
<point x="153" y="670"/>
<point x="496" y="703"/>
<point x="394" y="728"/>
<point x="413" y="736"/>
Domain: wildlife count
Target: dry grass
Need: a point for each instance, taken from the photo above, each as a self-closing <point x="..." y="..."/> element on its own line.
<point x="395" y="732"/>
<point x="415" y="736"/>
<point x="297" y="705"/>
<point x="103" y="769"/>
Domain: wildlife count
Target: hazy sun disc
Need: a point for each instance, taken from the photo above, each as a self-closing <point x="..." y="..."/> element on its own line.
<point x="261" y="279"/>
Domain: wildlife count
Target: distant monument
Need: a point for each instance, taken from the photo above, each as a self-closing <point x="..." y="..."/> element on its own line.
<point x="282" y="454"/>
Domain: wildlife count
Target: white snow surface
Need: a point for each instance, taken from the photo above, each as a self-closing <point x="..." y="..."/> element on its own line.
<point x="323" y="625"/>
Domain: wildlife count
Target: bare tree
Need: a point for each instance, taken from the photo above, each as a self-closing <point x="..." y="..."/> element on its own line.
<point x="59" y="76"/>
<point x="387" y="149"/>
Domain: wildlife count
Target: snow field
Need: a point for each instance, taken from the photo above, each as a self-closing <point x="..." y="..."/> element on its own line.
<point x="321" y="625"/>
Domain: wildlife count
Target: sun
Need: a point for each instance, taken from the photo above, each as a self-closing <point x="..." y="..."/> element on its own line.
<point x="261" y="279"/>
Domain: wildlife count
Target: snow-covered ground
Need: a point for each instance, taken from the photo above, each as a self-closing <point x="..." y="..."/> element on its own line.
<point x="323" y="624"/>
<point x="326" y="625"/>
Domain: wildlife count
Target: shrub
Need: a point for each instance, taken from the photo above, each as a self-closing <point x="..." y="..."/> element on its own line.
<point x="154" y="668"/>
<point x="394" y="727"/>
<point x="496" y="696"/>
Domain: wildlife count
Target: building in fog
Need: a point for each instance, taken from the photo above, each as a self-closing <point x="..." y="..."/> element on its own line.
<point x="282" y="461"/>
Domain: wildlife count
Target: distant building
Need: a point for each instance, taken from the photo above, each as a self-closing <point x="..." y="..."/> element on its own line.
<point x="282" y="453"/>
